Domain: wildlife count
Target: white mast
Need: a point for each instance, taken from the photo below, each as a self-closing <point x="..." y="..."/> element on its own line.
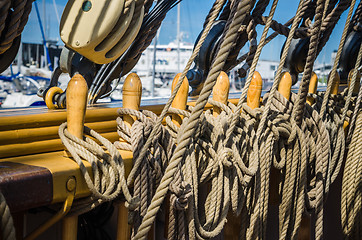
<point x="154" y="66"/>
<point x="56" y="12"/>
<point x="20" y="57"/>
<point x="178" y="38"/>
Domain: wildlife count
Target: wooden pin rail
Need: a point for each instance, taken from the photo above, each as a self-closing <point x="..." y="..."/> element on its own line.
<point x="29" y="143"/>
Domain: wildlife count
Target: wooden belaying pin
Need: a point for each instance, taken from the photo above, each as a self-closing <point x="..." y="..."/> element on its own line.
<point x="77" y="91"/>
<point x="180" y="100"/>
<point x="131" y="95"/>
<point x="254" y="91"/>
<point x="357" y="84"/>
<point x="335" y="83"/>
<point x="313" y="84"/>
<point x="220" y="92"/>
<point x="131" y="98"/>
<point x="285" y="85"/>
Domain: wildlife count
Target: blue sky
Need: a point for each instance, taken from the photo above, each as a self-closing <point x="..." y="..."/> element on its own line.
<point x="193" y="13"/>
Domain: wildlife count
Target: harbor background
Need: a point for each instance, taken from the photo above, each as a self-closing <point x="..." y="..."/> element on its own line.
<point x="175" y="41"/>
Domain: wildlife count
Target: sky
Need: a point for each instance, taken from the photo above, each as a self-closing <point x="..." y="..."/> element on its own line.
<point x="193" y="13"/>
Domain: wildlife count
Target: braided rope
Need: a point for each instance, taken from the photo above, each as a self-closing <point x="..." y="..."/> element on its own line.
<point x="183" y="141"/>
<point x="6" y="221"/>
<point x="214" y="12"/>
<point x="351" y="186"/>
<point x="4" y="9"/>
<point x="108" y="169"/>
<point x="234" y="152"/>
<point x="338" y="55"/>
<point x="18" y="18"/>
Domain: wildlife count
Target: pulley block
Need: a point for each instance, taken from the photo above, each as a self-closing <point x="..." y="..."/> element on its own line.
<point x="349" y="53"/>
<point x="203" y="60"/>
<point x="296" y="57"/>
<point x="100" y="30"/>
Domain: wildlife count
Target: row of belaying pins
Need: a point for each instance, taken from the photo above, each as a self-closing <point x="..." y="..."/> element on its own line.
<point x="132" y="90"/>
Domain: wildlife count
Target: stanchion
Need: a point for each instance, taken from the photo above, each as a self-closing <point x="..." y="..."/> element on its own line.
<point x="179" y="102"/>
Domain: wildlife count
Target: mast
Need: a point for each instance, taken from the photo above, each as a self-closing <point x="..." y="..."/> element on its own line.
<point x="20" y="57"/>
<point x="178" y="38"/>
<point x="56" y="12"/>
<point x="46" y="52"/>
<point x="45" y="20"/>
<point x="154" y="66"/>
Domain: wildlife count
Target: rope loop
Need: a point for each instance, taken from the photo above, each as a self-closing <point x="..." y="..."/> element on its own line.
<point x="108" y="168"/>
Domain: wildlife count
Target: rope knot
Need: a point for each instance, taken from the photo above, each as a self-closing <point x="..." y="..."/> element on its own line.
<point x="225" y="157"/>
<point x="182" y="193"/>
<point x="133" y="204"/>
<point x="293" y="135"/>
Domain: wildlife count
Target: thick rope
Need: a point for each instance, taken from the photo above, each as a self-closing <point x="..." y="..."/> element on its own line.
<point x="14" y="15"/>
<point x="185" y="138"/>
<point x="338" y="55"/>
<point x="351" y="196"/>
<point x="214" y="12"/>
<point x="108" y="169"/>
<point x="6" y="221"/>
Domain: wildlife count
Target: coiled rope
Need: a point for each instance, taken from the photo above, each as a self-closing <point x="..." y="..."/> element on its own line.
<point x="13" y="17"/>
<point x="108" y="168"/>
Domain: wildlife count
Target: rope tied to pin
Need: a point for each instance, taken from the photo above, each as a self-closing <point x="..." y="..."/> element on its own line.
<point x="107" y="167"/>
